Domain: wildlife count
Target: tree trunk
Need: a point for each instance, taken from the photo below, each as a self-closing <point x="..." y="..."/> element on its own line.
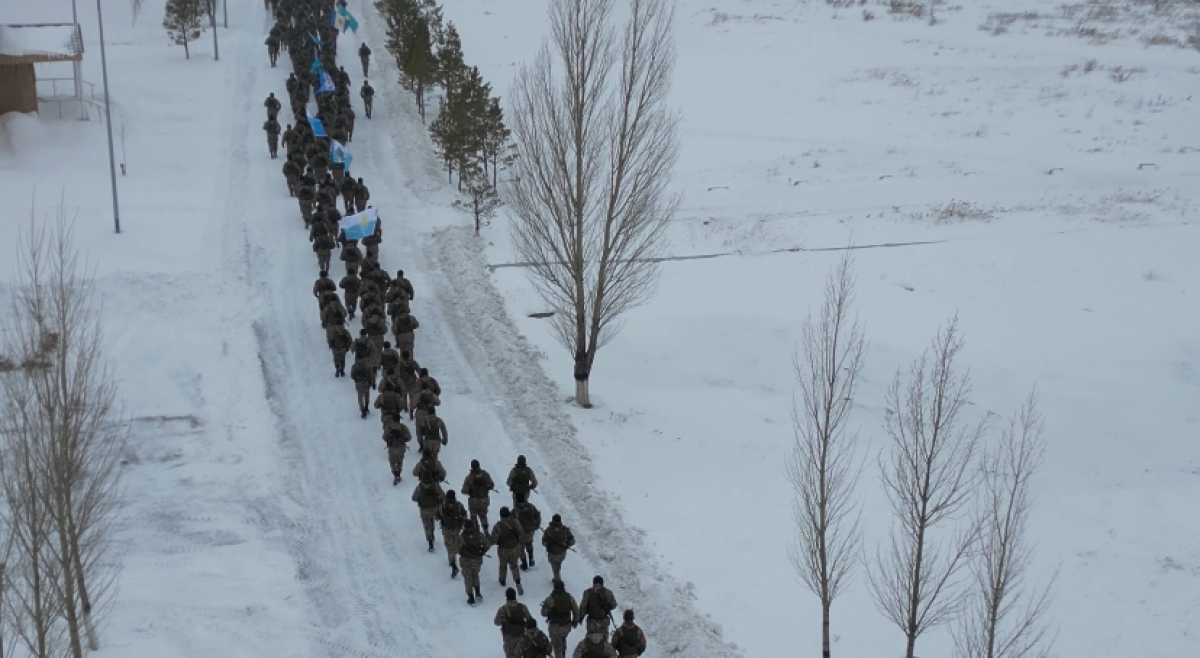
<point x="581" y="394"/>
<point x="825" y="651"/>
<point x="212" y="21"/>
<point x="583" y="372"/>
<point x="186" y="54"/>
<point x="85" y="599"/>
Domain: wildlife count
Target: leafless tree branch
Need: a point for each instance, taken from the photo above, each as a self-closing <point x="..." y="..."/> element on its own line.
<point x="928" y="479"/>
<point x="595" y="155"/>
<point x="823" y="468"/>
<point x="1005" y="617"/>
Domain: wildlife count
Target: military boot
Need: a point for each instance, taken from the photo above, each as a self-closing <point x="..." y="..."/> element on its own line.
<point x="453" y="570"/>
<point x="470" y="600"/>
<point x="478" y="594"/>
<point x="520" y="590"/>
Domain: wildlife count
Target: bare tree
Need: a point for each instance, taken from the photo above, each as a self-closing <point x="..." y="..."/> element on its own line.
<point x="928" y="479"/>
<point x="1005" y="618"/>
<point x="8" y="635"/>
<point x="594" y="157"/>
<point x="62" y="401"/>
<point x="32" y="604"/>
<point x="822" y="468"/>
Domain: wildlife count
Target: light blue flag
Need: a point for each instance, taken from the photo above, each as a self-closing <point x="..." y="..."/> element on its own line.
<point x="347" y="20"/>
<point x="316" y="67"/>
<point x="359" y="225"/>
<point x="326" y="84"/>
<point x="339" y="154"/>
<point x="318" y="128"/>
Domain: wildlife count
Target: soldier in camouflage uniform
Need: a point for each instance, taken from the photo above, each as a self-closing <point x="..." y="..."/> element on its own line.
<point x="597" y="605"/>
<point x="429" y="469"/>
<point x="454" y="516"/>
<point x="389" y="405"/>
<point x="351" y="256"/>
<point x="364" y="352"/>
<point x="340" y="342"/>
<point x="368" y="97"/>
<point x="535" y="644"/>
<point x="361" y="195"/>
<point x="476" y="486"/>
<point x="322" y="285"/>
<point x="272" y="105"/>
<point x="271" y="126"/>
<point x="511" y="618"/>
<point x="521" y="480"/>
<point x="628" y="640"/>
<point x="428" y="497"/>
<point x="407" y="371"/>
<point x="350" y="285"/>
<point x="364" y="54"/>
<point x="506" y="535"/>
<point x="561" y="613"/>
<point x="432" y="432"/>
<point x="557" y="540"/>
<point x="361" y="374"/>
<point x="474" y="547"/>
<point x="531" y="521"/>
<point x="389" y="360"/>
<point x="372" y="241"/>
<point x="397" y="439"/>
<point x="404" y="327"/>
<point x="323" y="245"/>
<point x="594" y="645"/>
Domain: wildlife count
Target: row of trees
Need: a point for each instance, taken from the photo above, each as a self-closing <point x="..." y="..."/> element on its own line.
<point x="469" y="130"/>
<point x="60" y="451"/>
<point x="959" y="551"/>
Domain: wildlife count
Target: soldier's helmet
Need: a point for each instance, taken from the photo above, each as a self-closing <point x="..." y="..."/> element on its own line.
<point x="504" y="512"/>
<point x="629" y="615"/>
<point x="520" y="460"/>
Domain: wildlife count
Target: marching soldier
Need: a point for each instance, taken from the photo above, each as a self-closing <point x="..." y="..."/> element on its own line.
<point x="428" y="497"/>
<point x="361" y="374"/>
<point x="454" y="517"/>
<point x="476" y="486"/>
<point x="364" y="54"/>
<point x="597" y="605"/>
<point x="561" y="613"/>
<point x="350" y="285"/>
<point x="397" y="439"/>
<point x="368" y="97"/>
<point x="340" y="342"/>
<point x="474" y="547"/>
<point x="429" y="469"/>
<point x="512" y="618"/>
<point x="521" y="480"/>
<point x="531" y="522"/>
<point x="628" y="640"/>
<point x="506" y="535"/>
<point x="535" y="644"/>
<point x="432" y="432"/>
<point x="557" y="540"/>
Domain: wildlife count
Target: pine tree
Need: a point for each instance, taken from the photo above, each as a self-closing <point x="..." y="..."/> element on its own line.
<point x="431" y="11"/>
<point x="496" y="144"/>
<point x="482" y="199"/>
<point x="419" y="64"/>
<point x="184" y="22"/>
<point x="451" y="67"/>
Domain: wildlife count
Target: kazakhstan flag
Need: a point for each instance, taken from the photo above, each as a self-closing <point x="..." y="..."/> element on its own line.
<point x="359" y="225"/>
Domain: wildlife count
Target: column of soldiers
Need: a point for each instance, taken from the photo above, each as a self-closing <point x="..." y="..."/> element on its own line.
<point x="304" y="29"/>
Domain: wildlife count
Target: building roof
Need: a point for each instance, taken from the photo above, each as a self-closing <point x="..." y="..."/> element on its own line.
<point x="40" y="42"/>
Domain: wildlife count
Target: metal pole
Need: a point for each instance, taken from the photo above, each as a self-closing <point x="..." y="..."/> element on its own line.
<point x="225" y="11"/>
<point x="77" y="69"/>
<point x="112" y="163"/>
<point x="212" y="22"/>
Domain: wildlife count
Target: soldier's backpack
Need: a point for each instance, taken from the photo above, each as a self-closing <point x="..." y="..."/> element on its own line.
<point x="507" y="535"/>
<point x="558" y="610"/>
<point x="521" y="479"/>
<point x="404" y="324"/>
<point x="323" y="242"/>
<point x="362" y="348"/>
<point x="626" y="638"/>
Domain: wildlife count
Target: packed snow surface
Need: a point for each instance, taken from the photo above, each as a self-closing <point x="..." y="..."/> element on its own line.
<point x="1031" y="168"/>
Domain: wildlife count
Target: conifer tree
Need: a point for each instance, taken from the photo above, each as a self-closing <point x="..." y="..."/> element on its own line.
<point x="482" y="199"/>
<point x="184" y="22"/>
<point x="496" y="144"/>
<point x="451" y="67"/>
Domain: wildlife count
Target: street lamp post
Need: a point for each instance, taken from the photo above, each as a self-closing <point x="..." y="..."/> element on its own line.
<point x="112" y="163"/>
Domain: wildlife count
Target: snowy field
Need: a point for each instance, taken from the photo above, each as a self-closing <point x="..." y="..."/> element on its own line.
<point x="1036" y="174"/>
<point x="1051" y="180"/>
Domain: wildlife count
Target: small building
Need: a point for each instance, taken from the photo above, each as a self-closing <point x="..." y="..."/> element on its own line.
<point x="22" y="46"/>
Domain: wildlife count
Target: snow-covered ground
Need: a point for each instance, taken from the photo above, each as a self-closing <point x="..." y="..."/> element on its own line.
<point x="261" y="519"/>
<point x="1039" y="184"/>
<point x="1055" y="180"/>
